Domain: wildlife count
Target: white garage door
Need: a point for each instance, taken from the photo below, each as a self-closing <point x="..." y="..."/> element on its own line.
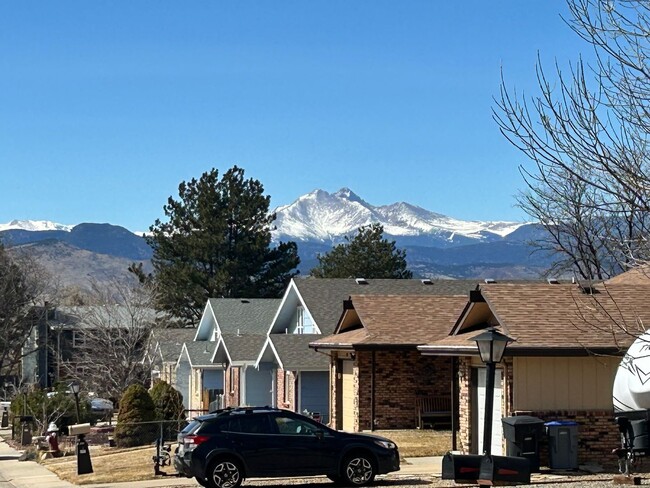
<point x="497" y="427"/>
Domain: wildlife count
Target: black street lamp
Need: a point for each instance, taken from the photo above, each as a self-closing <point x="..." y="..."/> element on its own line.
<point x="74" y="388"/>
<point x="491" y="346"/>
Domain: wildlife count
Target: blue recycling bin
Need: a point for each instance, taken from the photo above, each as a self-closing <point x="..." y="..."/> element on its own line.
<point x="562" y="444"/>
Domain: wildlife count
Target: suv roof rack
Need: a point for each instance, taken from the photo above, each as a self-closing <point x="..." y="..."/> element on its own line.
<point x="231" y="410"/>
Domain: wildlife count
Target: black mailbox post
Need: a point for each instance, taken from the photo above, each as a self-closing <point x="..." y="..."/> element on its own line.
<point x="462" y="468"/>
<point x="26" y="429"/>
<point x="522" y="434"/>
<point x="505" y="470"/>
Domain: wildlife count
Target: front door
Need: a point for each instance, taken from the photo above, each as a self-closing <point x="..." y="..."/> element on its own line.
<point x="497" y="412"/>
<point x="347" y="396"/>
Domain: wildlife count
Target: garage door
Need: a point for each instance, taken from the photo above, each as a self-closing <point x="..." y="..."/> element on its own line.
<point x="497" y="427"/>
<point x="259" y="386"/>
<point x="315" y="393"/>
<point x="347" y="395"/>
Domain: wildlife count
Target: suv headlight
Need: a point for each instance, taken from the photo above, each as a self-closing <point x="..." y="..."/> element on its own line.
<point x="386" y="444"/>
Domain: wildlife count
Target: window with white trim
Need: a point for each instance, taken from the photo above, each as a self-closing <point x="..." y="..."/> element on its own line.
<point x="300" y="313"/>
<point x="78" y="339"/>
<point x="304" y="322"/>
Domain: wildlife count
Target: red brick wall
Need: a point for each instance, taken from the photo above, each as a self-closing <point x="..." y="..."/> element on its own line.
<point x="399" y="377"/>
<point x="465" y="406"/>
<point x="335" y="421"/>
<point x="597" y="433"/>
<point x="282" y="402"/>
<point x="231" y="388"/>
<point x="333" y="390"/>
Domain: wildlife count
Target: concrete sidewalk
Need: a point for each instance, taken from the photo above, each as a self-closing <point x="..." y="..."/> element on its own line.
<point x="25" y="474"/>
<point x="30" y="474"/>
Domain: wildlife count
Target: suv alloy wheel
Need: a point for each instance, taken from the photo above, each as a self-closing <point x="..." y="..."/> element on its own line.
<point x="225" y="473"/>
<point x="359" y="470"/>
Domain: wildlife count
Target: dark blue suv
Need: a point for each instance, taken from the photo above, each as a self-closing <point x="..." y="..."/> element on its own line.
<point x="223" y="448"/>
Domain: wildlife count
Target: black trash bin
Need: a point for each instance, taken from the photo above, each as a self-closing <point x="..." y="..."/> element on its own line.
<point x="522" y="433"/>
<point x="562" y="444"/>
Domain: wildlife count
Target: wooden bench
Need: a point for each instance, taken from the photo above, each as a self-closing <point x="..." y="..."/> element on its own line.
<point x="432" y="410"/>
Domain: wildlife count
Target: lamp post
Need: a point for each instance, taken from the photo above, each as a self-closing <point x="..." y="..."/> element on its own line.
<point x="491" y="346"/>
<point x="74" y="388"/>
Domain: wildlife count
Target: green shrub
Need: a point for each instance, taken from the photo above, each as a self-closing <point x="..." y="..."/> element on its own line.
<point x="136" y="424"/>
<point x="169" y="408"/>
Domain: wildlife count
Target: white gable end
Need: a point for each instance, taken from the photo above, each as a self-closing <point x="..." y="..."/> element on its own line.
<point x="293" y="316"/>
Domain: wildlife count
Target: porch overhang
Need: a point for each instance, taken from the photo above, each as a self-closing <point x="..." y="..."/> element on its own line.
<point x="268" y="354"/>
<point x="385" y="347"/>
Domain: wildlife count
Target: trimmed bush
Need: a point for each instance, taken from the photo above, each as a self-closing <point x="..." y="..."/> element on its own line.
<point x="169" y="408"/>
<point x="136" y="424"/>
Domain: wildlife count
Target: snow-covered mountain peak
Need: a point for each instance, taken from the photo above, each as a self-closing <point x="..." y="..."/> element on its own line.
<point x="347" y="194"/>
<point x="324" y="216"/>
<point x="35" y="225"/>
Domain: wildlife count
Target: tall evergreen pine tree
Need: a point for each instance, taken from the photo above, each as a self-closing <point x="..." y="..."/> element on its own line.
<point x="367" y="255"/>
<point x="216" y="242"/>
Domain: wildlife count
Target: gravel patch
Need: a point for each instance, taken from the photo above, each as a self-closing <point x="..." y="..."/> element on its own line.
<point x="570" y="480"/>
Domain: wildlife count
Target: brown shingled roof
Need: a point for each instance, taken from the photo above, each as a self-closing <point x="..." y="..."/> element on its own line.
<point x="561" y="315"/>
<point x="635" y="276"/>
<point x="398" y="320"/>
<point x="555" y="318"/>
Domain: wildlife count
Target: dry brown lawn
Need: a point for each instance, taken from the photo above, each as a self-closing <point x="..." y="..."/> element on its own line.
<point x="419" y="443"/>
<point x="111" y="464"/>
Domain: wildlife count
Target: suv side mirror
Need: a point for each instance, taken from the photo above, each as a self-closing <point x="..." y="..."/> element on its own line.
<point x="319" y="434"/>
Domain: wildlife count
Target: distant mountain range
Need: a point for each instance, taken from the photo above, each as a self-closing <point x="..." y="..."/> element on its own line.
<point x="321" y="216"/>
<point x="436" y="245"/>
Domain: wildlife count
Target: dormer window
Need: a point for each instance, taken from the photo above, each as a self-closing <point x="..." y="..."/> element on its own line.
<point x="300" y="323"/>
<point x="304" y="322"/>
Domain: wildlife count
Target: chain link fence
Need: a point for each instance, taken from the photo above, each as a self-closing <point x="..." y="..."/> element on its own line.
<point x="129" y="434"/>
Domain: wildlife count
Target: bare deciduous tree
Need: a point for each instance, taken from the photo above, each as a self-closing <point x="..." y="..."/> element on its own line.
<point x="111" y="337"/>
<point x="21" y="291"/>
<point x="587" y="135"/>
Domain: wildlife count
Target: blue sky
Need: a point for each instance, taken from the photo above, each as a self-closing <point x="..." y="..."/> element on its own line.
<point x="107" y="106"/>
